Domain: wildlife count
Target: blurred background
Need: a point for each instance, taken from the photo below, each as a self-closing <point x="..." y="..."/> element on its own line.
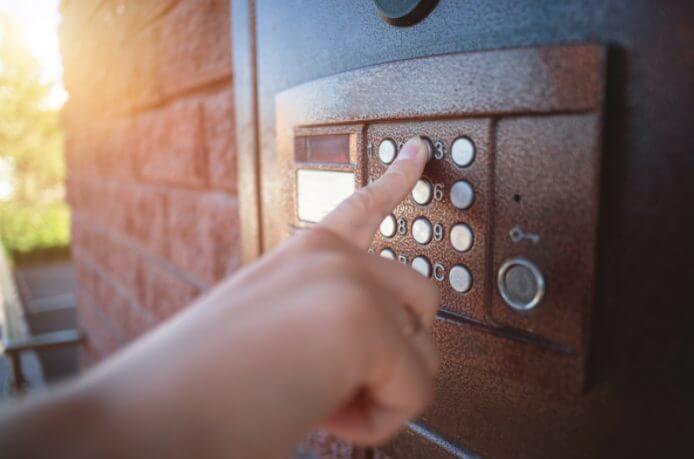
<point x="118" y="204"/>
<point x="38" y="304"/>
<point x="33" y="213"/>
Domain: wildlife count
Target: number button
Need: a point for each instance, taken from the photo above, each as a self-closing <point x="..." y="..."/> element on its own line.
<point x="422" y="192"/>
<point x="422" y="266"/>
<point x="461" y="237"/>
<point x="387" y="151"/>
<point x="387" y="227"/>
<point x="422" y="230"/>
<point x="387" y="253"/>
<point x="462" y="195"/>
<point x="460" y="278"/>
<point x="463" y="152"/>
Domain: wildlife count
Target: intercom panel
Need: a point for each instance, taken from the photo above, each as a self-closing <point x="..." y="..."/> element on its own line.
<point x="504" y="216"/>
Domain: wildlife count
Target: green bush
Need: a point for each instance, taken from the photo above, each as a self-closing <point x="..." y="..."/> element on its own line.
<point x="33" y="214"/>
<point x="27" y="227"/>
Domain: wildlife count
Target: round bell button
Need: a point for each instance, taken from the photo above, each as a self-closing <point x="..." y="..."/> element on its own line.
<point x="460" y="278"/>
<point x="388" y="226"/>
<point x="462" y="194"/>
<point x="422" y="266"/>
<point x="422" y="230"/>
<point x="520" y="283"/>
<point x="463" y="152"/>
<point x="461" y="237"/>
<point x="430" y="148"/>
<point x="387" y="151"/>
<point x="422" y="192"/>
<point x="387" y="253"/>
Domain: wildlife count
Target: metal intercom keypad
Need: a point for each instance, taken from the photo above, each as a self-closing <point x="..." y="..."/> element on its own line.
<point x="504" y="216"/>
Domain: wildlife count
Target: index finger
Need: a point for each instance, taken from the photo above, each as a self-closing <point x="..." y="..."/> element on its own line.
<point x="360" y="215"/>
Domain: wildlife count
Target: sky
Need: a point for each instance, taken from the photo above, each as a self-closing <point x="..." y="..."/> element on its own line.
<point x="38" y="20"/>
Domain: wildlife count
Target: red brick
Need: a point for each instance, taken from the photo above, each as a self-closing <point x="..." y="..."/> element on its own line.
<point x="220" y="138"/>
<point x="119" y="260"/>
<point x="142" y="53"/>
<point x="151" y="159"/>
<point x="203" y="230"/>
<point x="172" y="144"/>
<point x="142" y="211"/>
<point x="193" y="45"/>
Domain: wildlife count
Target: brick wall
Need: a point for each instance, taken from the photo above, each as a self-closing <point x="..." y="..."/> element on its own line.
<point x="151" y="161"/>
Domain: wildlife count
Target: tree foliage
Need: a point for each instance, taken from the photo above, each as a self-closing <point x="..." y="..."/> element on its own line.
<point x="31" y="142"/>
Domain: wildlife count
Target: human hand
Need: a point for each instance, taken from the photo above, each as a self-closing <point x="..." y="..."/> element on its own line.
<point x="317" y="333"/>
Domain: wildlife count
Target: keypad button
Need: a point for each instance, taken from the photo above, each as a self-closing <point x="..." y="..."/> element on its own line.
<point x="460" y="278"/>
<point x="387" y="253"/>
<point x="430" y="148"/>
<point x="388" y="226"/>
<point x="463" y="152"/>
<point x="422" y="230"/>
<point x="520" y="283"/>
<point x="462" y="194"/>
<point x="422" y="266"/>
<point x="422" y="192"/>
<point x="461" y="237"/>
<point x="387" y="151"/>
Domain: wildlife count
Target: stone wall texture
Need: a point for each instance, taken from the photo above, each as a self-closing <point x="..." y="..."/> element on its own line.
<point x="151" y="160"/>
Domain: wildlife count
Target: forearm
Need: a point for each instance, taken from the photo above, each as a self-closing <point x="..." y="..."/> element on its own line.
<point x="262" y="398"/>
<point x="62" y="422"/>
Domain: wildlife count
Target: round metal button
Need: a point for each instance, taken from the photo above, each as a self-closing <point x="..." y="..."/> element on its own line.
<point x="388" y="226"/>
<point x="430" y="148"/>
<point x="422" y="230"/>
<point x="520" y="283"/>
<point x="460" y="278"/>
<point x="387" y="253"/>
<point x="463" y="152"/>
<point x="422" y="266"/>
<point x="387" y="151"/>
<point x="461" y="237"/>
<point x="462" y="194"/>
<point x="422" y="192"/>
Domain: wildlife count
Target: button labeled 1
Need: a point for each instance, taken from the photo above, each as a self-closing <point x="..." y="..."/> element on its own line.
<point x="387" y="151"/>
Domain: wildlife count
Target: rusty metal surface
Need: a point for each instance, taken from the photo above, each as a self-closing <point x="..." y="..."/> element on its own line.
<point x="537" y="144"/>
<point x="638" y="400"/>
